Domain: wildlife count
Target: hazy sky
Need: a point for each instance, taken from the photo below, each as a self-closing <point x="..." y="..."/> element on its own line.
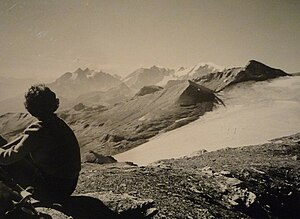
<point x="45" y="38"/>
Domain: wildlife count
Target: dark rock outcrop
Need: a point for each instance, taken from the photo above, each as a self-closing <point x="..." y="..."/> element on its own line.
<point x="195" y="93"/>
<point x="79" y="106"/>
<point x="253" y="71"/>
<point x="148" y="90"/>
<point x="92" y="157"/>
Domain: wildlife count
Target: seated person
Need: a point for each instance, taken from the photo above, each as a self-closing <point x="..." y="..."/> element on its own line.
<point x="47" y="155"/>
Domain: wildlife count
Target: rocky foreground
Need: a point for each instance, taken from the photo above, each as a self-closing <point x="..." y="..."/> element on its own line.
<point x="261" y="181"/>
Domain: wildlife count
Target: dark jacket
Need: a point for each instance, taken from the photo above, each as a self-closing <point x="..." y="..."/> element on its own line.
<point x="52" y="146"/>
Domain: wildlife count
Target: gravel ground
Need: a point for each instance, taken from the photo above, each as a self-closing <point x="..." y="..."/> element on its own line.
<point x="259" y="181"/>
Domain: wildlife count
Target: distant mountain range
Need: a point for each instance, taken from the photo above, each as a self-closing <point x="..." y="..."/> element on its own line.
<point x="83" y="81"/>
<point x="117" y="119"/>
<point x="92" y="87"/>
<point x="209" y="74"/>
<point x="160" y="76"/>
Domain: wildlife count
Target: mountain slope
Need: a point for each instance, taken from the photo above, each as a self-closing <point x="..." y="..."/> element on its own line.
<point x="255" y="112"/>
<point x="128" y="124"/>
<point x="108" y="97"/>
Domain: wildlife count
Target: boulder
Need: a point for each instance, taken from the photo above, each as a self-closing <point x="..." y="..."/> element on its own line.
<point x="93" y="157"/>
<point x="79" y="106"/>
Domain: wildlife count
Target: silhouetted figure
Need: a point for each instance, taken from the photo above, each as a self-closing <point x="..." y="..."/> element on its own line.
<point x="47" y="155"/>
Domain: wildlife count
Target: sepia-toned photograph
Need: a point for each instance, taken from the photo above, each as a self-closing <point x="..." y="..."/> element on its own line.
<point x="149" y="109"/>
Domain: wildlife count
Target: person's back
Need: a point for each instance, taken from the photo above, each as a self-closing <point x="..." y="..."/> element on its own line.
<point x="58" y="152"/>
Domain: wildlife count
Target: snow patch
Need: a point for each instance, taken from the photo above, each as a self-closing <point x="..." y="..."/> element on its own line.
<point x="206" y="67"/>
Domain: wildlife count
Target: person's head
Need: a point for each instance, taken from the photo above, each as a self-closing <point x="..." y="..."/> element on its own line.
<point x="40" y="101"/>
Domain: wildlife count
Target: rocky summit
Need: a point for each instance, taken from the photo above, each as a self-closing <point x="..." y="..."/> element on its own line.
<point x="253" y="71"/>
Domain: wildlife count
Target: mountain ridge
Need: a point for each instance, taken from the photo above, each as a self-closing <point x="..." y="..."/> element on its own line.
<point x="127" y="122"/>
<point x="252" y="71"/>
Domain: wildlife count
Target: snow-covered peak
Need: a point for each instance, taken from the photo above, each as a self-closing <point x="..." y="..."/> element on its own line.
<point x="147" y="76"/>
<point x="180" y="69"/>
<point x="160" y="69"/>
<point x="197" y="70"/>
<point x="211" y="65"/>
<point x="84" y="75"/>
<point x="157" y="75"/>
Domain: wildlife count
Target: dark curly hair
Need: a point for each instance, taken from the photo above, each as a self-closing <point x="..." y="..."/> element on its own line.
<point x="40" y="101"/>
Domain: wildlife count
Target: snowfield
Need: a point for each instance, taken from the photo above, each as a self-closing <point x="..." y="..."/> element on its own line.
<point x="254" y="113"/>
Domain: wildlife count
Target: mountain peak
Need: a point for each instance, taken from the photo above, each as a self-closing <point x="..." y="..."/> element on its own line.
<point x="79" y="70"/>
<point x="254" y="62"/>
<point x="87" y="70"/>
<point x="198" y="70"/>
<point x="181" y="68"/>
<point x="158" y="68"/>
<point x="210" y="65"/>
<point x="154" y="67"/>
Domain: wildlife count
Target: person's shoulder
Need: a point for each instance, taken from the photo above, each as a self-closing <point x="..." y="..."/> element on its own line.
<point x="35" y="127"/>
<point x="61" y="121"/>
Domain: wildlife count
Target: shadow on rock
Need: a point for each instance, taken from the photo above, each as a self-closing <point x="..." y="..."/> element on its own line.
<point x="86" y="207"/>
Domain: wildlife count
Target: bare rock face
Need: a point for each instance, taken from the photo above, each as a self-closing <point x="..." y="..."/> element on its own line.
<point x="253" y="71"/>
<point x="256" y="71"/>
<point x="195" y="93"/>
